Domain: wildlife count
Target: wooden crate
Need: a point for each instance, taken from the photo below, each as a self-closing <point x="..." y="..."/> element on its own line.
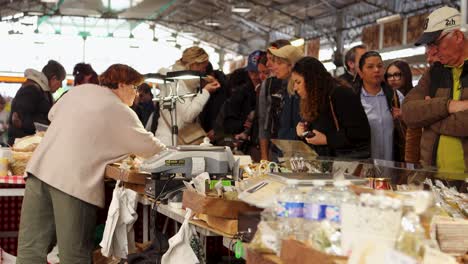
<point x="129" y="176"/>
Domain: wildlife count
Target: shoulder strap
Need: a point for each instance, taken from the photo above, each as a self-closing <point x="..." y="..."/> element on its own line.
<point x="332" y="108"/>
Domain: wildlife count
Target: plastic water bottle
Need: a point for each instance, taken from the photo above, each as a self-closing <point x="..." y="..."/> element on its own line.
<point x="340" y="194"/>
<point x="315" y="203"/>
<point x="290" y="205"/>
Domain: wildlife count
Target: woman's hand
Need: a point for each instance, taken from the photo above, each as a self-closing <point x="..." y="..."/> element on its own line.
<point x="212" y="86"/>
<point x="248" y="124"/>
<point x="301" y="128"/>
<point x="318" y="139"/>
<point x="396" y="113"/>
<point x="241" y="136"/>
<point x="211" y="135"/>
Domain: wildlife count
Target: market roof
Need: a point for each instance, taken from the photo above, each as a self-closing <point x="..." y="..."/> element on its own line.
<point x="218" y="23"/>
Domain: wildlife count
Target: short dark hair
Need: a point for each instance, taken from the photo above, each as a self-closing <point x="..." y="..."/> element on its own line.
<point x="368" y="54"/>
<point x="54" y="69"/>
<point x="359" y="82"/>
<point x="144" y="88"/>
<point x="351" y="54"/>
<point x="81" y="70"/>
<point x="120" y="73"/>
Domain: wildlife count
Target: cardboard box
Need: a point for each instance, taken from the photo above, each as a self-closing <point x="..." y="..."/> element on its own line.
<point x="214" y="206"/>
<point x="296" y="252"/>
<point x="228" y="226"/>
<point x="254" y="257"/>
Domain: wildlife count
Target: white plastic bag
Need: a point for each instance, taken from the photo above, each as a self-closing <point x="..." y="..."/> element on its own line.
<point x="180" y="250"/>
<point x="118" y="238"/>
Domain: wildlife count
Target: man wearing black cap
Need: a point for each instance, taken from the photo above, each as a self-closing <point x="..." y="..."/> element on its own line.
<point x="439" y="103"/>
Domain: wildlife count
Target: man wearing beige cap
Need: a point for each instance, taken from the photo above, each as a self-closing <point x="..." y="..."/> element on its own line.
<point x="439" y="103"/>
<point x="283" y="61"/>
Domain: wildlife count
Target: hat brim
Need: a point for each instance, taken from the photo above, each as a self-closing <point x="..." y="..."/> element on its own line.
<point x="428" y="37"/>
<point x="276" y="52"/>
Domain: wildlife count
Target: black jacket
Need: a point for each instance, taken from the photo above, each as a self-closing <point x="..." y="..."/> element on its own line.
<point x="31" y="104"/>
<point x="354" y="130"/>
<point x="348" y="78"/>
<point x="238" y="107"/>
<point x="215" y="103"/>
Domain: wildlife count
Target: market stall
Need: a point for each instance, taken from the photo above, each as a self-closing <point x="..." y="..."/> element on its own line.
<point x="301" y="210"/>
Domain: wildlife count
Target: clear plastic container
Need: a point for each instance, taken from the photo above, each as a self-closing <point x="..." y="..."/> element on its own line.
<point x="290" y="204"/>
<point x="338" y="196"/>
<point x="315" y="202"/>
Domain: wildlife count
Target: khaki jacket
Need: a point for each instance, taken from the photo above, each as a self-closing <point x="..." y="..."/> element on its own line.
<point x="432" y="115"/>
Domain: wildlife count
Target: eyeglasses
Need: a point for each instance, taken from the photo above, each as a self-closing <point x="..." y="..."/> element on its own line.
<point x="396" y="76"/>
<point x="437" y="42"/>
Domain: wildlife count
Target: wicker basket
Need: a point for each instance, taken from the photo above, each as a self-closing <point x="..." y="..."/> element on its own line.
<point x="19" y="162"/>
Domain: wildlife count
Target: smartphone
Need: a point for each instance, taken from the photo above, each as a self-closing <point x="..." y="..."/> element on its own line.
<point x="308" y="134"/>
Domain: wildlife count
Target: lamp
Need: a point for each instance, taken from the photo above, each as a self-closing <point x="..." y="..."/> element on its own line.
<point x="169" y="102"/>
<point x="186" y="75"/>
<point x="155" y="78"/>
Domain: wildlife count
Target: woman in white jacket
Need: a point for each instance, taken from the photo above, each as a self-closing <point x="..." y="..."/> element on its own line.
<point x="196" y="59"/>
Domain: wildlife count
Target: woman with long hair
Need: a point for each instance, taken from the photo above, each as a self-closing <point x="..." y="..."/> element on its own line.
<point x="398" y="76"/>
<point x="334" y="121"/>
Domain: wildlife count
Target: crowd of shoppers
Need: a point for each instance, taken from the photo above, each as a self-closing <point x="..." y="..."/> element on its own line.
<point x="371" y="111"/>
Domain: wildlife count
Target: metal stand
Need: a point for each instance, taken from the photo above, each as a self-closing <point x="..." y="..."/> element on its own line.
<point x="170" y="103"/>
